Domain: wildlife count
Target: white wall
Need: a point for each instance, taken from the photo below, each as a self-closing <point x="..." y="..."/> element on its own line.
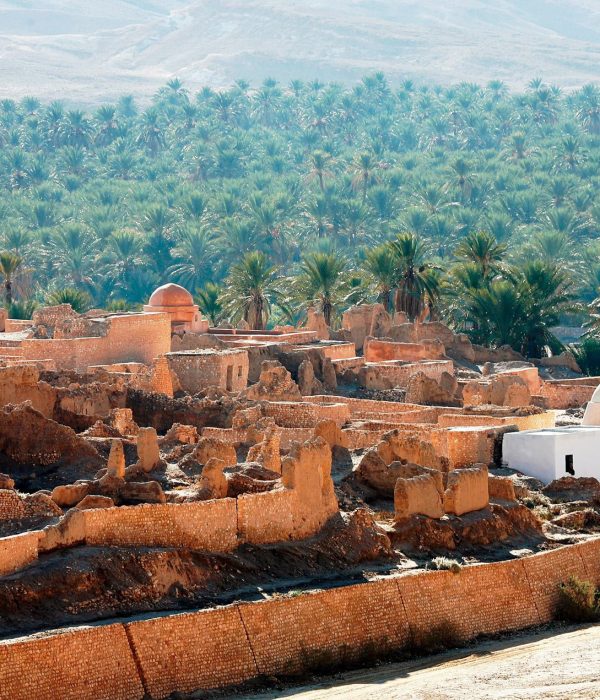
<point x="541" y="453"/>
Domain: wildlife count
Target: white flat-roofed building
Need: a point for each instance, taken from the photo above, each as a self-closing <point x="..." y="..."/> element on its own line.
<point x="554" y="452"/>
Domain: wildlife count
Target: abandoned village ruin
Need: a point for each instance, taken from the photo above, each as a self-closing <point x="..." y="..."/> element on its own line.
<point x="153" y="464"/>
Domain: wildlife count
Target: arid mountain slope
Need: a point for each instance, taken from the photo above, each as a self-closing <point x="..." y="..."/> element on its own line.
<point x="85" y="51"/>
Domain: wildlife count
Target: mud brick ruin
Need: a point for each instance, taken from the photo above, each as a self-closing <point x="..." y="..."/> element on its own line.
<point x="153" y="464"/>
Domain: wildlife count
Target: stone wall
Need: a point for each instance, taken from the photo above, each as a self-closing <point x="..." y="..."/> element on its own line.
<point x="535" y="421"/>
<point x="12" y="505"/>
<point x="209" y="649"/>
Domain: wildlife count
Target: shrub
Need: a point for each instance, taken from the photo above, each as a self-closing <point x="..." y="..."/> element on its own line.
<point x="22" y="310"/>
<point x="587" y="354"/>
<point x="79" y="301"/>
<point x="578" y="601"/>
<point x="447" y="564"/>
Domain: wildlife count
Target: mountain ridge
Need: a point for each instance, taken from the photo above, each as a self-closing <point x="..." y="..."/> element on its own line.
<point x="89" y="52"/>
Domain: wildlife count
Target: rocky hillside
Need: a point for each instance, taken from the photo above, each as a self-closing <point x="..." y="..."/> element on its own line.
<point x="86" y="51"/>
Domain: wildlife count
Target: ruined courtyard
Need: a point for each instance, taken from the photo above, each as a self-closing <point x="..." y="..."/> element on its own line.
<point x="186" y="508"/>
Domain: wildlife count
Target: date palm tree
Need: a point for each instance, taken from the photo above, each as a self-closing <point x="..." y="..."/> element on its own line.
<point x="9" y="265"/>
<point x="380" y="268"/>
<point x="321" y="281"/>
<point x="415" y="287"/>
<point x="252" y="288"/>
<point x="481" y="248"/>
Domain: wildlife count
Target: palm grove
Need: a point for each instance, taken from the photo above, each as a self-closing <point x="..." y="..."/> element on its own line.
<point x="477" y="203"/>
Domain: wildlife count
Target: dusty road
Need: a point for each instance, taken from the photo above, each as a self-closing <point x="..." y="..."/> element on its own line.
<point x="539" y="666"/>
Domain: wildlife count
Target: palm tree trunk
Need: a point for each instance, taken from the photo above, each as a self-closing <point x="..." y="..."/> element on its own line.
<point x="8" y="291"/>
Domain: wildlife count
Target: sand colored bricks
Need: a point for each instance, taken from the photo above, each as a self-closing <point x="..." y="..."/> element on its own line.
<point x="376" y="350"/>
<point x="166" y="483"/>
<point x="418" y="495"/>
<point x="467" y="490"/>
<point x="93" y="663"/>
<point x="209" y="525"/>
<point x="287" y="636"/>
<point x="17" y="551"/>
<point x="290" y="635"/>
<point x="196" y="650"/>
<point x="200" y="369"/>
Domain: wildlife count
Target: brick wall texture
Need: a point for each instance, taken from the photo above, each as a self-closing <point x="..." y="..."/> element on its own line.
<point x="135" y="338"/>
<point x="224" y="646"/>
<point x="18" y="551"/>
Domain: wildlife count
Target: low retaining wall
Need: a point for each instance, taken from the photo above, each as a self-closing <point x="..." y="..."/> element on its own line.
<point x="536" y="421"/>
<point x="18" y="551"/>
<point x="225" y="646"/>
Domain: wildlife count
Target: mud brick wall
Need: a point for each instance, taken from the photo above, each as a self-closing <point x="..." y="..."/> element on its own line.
<point x="229" y="645"/>
<point x="207" y="649"/>
<point x="18" y="551"/>
<point x="135" y="338"/>
<point x="479" y="600"/>
<point x="533" y="422"/>
<point x="344" y="363"/>
<point x="234" y="436"/>
<point x="93" y="663"/>
<point x="292" y="634"/>
<point x="209" y="525"/>
<point x="11" y="505"/>
<point x="382" y="350"/>
<point x="266" y="517"/>
<point x="544" y="573"/>
<point x="304" y="414"/>
<point x="561" y="395"/>
<point x="20" y="383"/>
<point x="379" y="375"/>
<point x="337" y="351"/>
<point x="468" y="446"/>
<point x="199" y="369"/>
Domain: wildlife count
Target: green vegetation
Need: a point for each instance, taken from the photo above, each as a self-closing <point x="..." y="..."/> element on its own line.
<point x="469" y="203"/>
<point x="446" y="564"/>
<point x="579" y="601"/>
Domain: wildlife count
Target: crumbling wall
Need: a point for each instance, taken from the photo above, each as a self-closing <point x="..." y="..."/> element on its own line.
<point x="388" y="375"/>
<point x="565" y="394"/>
<point x="199" y="369"/>
<point x="467" y="490"/>
<point x="20" y="383"/>
<point x="12" y="506"/>
<point x="301" y="414"/>
<point x="418" y="495"/>
<point x="266" y="517"/>
<point x="28" y="439"/>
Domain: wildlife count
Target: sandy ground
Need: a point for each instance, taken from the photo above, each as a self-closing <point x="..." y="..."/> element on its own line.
<point x="550" y="664"/>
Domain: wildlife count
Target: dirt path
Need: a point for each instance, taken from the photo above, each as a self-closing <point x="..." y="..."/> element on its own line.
<point x="544" y="665"/>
